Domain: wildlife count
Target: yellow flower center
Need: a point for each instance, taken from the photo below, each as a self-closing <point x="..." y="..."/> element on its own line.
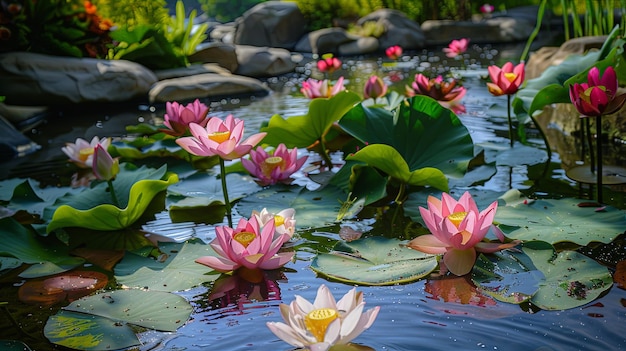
<point x="457" y="217"/>
<point x="279" y="220"/>
<point x="510" y="76"/>
<point x="220" y="137"/>
<point x="244" y="238"/>
<point x="270" y="163"/>
<point x="317" y="321"/>
<point x="84" y="153"/>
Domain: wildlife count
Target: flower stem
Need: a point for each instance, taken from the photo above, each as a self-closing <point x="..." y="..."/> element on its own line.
<point x="592" y="161"/>
<point x="112" y="190"/>
<point x="229" y="214"/>
<point x="544" y="137"/>
<point x="508" y="112"/>
<point x="599" y="158"/>
<point x="324" y="153"/>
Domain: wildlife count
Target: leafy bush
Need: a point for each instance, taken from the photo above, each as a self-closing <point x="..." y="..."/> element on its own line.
<point x="227" y="10"/>
<point x="131" y="13"/>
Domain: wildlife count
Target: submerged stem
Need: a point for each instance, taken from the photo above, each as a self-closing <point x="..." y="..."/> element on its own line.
<point x="229" y="215"/>
<point x="599" y="158"/>
<point x="508" y="112"/>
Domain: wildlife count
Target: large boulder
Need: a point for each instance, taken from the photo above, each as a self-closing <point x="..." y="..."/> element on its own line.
<point x="36" y="79"/>
<point x="278" y="24"/>
<point x="399" y="29"/>
<point x="493" y="30"/>
<point x="216" y="52"/>
<point x="205" y="85"/>
<point x="325" y="41"/>
<point x="548" y="56"/>
<point x="257" y="61"/>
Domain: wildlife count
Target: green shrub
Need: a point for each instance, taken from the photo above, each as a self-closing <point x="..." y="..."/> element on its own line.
<point x="131" y="13"/>
<point x="227" y="10"/>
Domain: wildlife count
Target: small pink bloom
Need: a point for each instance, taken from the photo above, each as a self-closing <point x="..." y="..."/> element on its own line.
<point x="247" y="246"/>
<point x="284" y="221"/>
<point x="597" y="97"/>
<point x="394" y="52"/>
<point x="329" y="64"/>
<point x="506" y="80"/>
<point x="313" y="88"/>
<point x="487" y="8"/>
<point x="104" y="166"/>
<point x="274" y="167"/>
<point x="81" y="151"/>
<point x="458" y="230"/>
<point x="374" y="88"/>
<point x="178" y="117"/>
<point x="221" y="138"/>
<point x="456" y="47"/>
<point x="447" y="92"/>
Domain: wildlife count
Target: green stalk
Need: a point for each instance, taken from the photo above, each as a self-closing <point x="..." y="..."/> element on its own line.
<point x="533" y="35"/>
<point x="578" y="29"/>
<point x="112" y="190"/>
<point x="599" y="158"/>
<point x="565" y="10"/>
<point x="324" y="154"/>
<point x="229" y="214"/>
<point x="508" y="111"/>
<point x="544" y="137"/>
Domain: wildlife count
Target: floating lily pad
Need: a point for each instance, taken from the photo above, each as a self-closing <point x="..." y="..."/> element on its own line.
<point x="538" y="274"/>
<point x="374" y="261"/>
<point x="561" y="220"/>
<point x="25" y="194"/>
<point x="178" y="272"/>
<point x="101" y="322"/>
<point x="209" y="187"/>
<point x="314" y="209"/>
<point x="93" y="208"/>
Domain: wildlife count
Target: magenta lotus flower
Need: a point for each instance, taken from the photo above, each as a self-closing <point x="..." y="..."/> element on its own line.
<point x="374" y="88"/>
<point x="273" y="167"/>
<point x="178" y="117"/>
<point x="457" y="231"/>
<point x="329" y="64"/>
<point x="447" y="92"/>
<point x="456" y="47"/>
<point x="394" y="52"/>
<point x="284" y="221"/>
<point x="81" y="151"/>
<point x="221" y="138"/>
<point x="506" y="80"/>
<point x="487" y="8"/>
<point x="319" y="325"/>
<point x="104" y="166"/>
<point x="597" y="97"/>
<point x="313" y="88"/>
<point x="248" y="245"/>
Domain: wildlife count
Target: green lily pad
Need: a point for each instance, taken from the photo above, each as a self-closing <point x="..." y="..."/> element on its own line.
<point x="178" y="272"/>
<point x="25" y="194"/>
<point x="303" y="131"/>
<point x="101" y="322"/>
<point x="374" y="261"/>
<point x="209" y="187"/>
<point x="561" y="220"/>
<point x="538" y="274"/>
<point x="92" y="209"/>
<point x="314" y="209"/>
<point x="49" y="257"/>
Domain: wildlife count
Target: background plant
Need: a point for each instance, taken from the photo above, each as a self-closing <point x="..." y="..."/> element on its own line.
<point x="227" y="10"/>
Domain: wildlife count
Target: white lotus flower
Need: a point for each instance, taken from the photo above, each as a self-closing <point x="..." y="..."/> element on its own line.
<point x="318" y="326"/>
<point x="284" y="220"/>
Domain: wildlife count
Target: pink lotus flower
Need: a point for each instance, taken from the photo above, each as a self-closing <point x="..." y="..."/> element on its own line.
<point x="284" y="221"/>
<point x="506" y="80"/>
<point x="178" y="117"/>
<point x="313" y="88"/>
<point x="447" y="92"/>
<point x="458" y="230"/>
<point x="394" y="52"/>
<point x="329" y="64"/>
<point x="221" y="138"/>
<point x="274" y="167"/>
<point x="320" y="325"/>
<point x="81" y="151"/>
<point x="247" y="246"/>
<point x="597" y="97"/>
<point x="104" y="166"/>
<point x="374" y="88"/>
<point x="456" y="47"/>
<point x="487" y="8"/>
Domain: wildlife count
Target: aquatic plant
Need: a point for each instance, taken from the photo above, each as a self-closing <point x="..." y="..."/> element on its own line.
<point x="393" y="52"/>
<point x="506" y="80"/>
<point x="314" y="89"/>
<point x="456" y="47"/>
<point x="277" y="166"/>
<point x="178" y="117"/>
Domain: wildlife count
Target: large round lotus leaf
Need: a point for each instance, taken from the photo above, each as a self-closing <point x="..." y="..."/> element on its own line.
<point x="550" y="281"/>
<point x="374" y="261"/>
<point x="149" y="309"/>
<point x="561" y="220"/>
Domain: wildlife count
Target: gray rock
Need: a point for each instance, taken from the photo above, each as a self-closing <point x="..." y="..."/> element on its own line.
<point x="363" y="45"/>
<point x="278" y="24"/>
<point x="324" y="41"/>
<point x="190" y="71"/>
<point x="493" y="30"/>
<point x="257" y="61"/>
<point x="215" y="52"/>
<point x="35" y="79"/>
<point x="205" y="85"/>
<point x="399" y="29"/>
<point x="548" y="56"/>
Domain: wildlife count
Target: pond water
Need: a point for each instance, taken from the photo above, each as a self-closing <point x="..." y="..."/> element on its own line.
<point x="430" y="314"/>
